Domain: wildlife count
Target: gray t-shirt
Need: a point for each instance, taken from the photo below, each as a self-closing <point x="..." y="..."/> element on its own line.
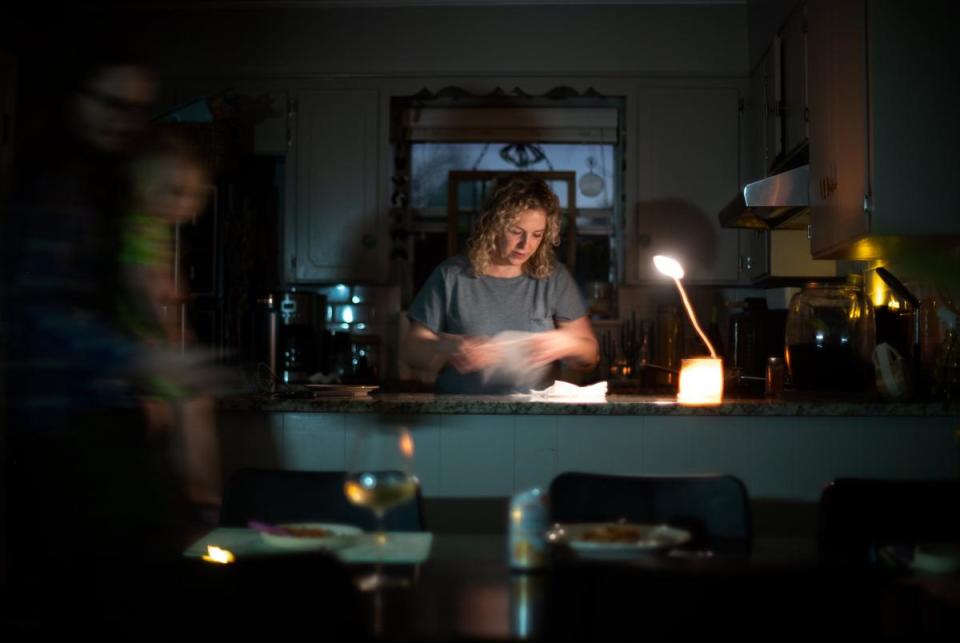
<point x="455" y="301"/>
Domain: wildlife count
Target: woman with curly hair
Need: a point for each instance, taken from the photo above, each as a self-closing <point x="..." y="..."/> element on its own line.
<point x="508" y="280"/>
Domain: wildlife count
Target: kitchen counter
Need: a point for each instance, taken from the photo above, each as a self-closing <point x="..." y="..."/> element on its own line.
<point x="790" y="404"/>
<point x="492" y="447"/>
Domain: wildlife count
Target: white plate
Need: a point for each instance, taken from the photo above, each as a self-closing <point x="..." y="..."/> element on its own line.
<point x="340" y="536"/>
<point x="341" y="390"/>
<point x="647" y="538"/>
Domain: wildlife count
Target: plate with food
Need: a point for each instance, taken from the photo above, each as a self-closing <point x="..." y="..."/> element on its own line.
<point x="310" y="535"/>
<point x="340" y="390"/>
<point x="617" y="538"/>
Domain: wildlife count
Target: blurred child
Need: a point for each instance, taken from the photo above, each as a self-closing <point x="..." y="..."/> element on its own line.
<point x="168" y="188"/>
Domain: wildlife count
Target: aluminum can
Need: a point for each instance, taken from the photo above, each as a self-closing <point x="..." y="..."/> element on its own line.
<point x="527" y="524"/>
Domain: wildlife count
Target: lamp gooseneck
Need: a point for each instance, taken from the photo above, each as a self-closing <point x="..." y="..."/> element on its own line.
<point x="672" y="268"/>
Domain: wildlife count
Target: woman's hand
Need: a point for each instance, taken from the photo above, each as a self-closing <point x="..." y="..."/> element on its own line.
<point x="424" y="349"/>
<point x="550" y="346"/>
<point x="573" y="342"/>
<point x="469" y="354"/>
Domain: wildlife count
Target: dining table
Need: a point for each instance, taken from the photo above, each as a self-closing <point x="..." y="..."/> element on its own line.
<point x="463" y="588"/>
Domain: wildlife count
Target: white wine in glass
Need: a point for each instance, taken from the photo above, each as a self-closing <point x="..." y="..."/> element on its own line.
<point x="380" y="491"/>
<point x="379" y="477"/>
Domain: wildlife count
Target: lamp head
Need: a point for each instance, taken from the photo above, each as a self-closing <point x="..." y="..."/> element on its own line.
<point x="668" y="266"/>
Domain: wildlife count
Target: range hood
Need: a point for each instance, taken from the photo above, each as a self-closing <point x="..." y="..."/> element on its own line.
<point x="780" y="201"/>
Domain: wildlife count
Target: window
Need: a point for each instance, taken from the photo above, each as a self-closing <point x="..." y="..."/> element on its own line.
<point x="572" y="138"/>
<point x="595" y="182"/>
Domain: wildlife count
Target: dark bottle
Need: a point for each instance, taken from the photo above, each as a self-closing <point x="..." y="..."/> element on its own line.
<point x="713" y="332"/>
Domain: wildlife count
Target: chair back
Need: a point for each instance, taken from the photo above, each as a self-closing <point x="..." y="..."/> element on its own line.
<point x="275" y="496"/>
<point x="859" y="515"/>
<point x="714" y="508"/>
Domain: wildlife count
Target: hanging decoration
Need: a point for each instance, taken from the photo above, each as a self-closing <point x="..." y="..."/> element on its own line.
<point x="523" y="155"/>
<point x="591" y="183"/>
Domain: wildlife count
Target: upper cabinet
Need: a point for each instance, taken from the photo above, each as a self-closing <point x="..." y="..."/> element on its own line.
<point x="792" y="102"/>
<point x="777" y="106"/>
<point x="333" y="229"/>
<point x="688" y="166"/>
<point x="883" y="128"/>
<point x="775" y="118"/>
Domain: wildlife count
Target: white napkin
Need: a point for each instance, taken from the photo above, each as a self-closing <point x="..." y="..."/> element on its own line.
<point x="567" y="392"/>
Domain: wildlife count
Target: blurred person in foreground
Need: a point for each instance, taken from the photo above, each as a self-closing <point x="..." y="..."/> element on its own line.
<point x="92" y="506"/>
<point x="169" y="184"/>
<point x="493" y="321"/>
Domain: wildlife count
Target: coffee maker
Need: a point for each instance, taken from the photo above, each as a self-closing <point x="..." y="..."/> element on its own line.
<point x="293" y="320"/>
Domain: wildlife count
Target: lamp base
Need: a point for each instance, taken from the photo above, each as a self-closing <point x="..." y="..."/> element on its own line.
<point x="701" y="381"/>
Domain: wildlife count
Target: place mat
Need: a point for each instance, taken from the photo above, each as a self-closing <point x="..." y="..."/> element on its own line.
<point x="402" y="547"/>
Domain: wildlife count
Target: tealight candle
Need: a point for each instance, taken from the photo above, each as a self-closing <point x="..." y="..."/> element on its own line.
<point x="217" y="555"/>
<point x="701" y="381"/>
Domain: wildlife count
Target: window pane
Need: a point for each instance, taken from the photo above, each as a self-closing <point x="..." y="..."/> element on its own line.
<point x="431" y="162"/>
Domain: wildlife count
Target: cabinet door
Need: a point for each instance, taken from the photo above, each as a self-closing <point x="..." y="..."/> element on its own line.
<point x="688" y="167"/>
<point x="754" y="120"/>
<point x="837" y="75"/>
<point x="754" y="255"/>
<point x="793" y="39"/>
<point x="773" y="105"/>
<point x="331" y="227"/>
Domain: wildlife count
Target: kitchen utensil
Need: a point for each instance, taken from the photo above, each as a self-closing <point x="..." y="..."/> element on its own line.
<point x="893" y="382"/>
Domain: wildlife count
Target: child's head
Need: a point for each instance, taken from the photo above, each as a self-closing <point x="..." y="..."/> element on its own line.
<point x="169" y="180"/>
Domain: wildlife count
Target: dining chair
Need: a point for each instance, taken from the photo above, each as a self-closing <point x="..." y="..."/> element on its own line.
<point x="858" y="516"/>
<point x="714" y="508"/>
<point x="277" y="496"/>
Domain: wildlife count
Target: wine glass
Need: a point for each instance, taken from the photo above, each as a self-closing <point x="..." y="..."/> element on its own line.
<point x="379" y="476"/>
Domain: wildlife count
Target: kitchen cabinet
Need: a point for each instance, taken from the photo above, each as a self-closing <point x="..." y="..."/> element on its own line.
<point x="772" y="95"/>
<point x="777" y="255"/>
<point x="332" y="224"/>
<point x="778" y="97"/>
<point x="776" y="124"/>
<point x="688" y="166"/>
<point x="883" y="129"/>
<point x="791" y="109"/>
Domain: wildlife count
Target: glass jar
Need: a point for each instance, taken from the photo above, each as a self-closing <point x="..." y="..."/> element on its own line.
<point x="830" y="336"/>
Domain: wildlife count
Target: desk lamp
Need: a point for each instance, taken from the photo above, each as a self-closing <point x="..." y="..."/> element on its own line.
<point x="701" y="378"/>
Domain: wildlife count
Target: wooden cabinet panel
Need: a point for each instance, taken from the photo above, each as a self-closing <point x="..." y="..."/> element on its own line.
<point x="883" y="132"/>
<point x="332" y="219"/>
<point x="837" y="123"/>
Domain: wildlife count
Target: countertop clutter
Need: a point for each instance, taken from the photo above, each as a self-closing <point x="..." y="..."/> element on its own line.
<point x="820" y="403"/>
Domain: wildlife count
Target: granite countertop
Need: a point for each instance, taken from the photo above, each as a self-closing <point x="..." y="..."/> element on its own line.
<point x="790" y="404"/>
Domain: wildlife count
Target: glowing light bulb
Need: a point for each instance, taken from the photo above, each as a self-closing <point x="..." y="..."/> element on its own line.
<point x="668" y="266"/>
